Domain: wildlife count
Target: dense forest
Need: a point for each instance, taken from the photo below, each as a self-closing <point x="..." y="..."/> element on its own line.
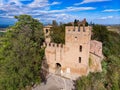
<point x="21" y="56"/>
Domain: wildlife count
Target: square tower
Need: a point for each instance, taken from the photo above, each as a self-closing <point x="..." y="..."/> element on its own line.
<point x="77" y="40"/>
<point x="46" y="30"/>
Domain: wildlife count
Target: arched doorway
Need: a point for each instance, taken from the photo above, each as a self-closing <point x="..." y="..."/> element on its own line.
<point x="58" y="69"/>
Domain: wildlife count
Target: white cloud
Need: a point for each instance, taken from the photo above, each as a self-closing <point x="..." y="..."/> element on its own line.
<point x="1" y="2"/>
<point x="49" y="12"/>
<point x="90" y="1"/>
<point x="39" y="9"/>
<point x="38" y="3"/>
<point x="79" y="8"/>
<point x="106" y="17"/>
<point x="16" y="2"/>
<point x="69" y="9"/>
<point x="55" y="3"/>
<point x="42" y="3"/>
<point x="24" y="0"/>
<point x="111" y="10"/>
<point x="6" y="16"/>
<point x="15" y="7"/>
<point x="59" y="15"/>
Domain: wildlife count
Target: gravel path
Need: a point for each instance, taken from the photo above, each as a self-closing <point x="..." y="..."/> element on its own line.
<point x="55" y="82"/>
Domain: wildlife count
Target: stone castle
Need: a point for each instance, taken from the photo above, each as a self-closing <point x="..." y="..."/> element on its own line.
<point x="78" y="56"/>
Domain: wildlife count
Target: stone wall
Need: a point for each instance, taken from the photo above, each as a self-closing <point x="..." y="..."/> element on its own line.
<point x="96" y="56"/>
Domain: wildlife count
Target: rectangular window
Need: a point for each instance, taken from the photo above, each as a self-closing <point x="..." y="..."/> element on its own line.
<point x="79" y="59"/>
<point x="80" y="48"/>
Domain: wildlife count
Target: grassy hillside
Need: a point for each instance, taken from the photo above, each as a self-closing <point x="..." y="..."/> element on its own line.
<point x="114" y="28"/>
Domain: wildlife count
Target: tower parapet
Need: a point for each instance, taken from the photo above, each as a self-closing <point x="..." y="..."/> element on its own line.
<point x="79" y="34"/>
<point x="77" y="29"/>
<point x="53" y="45"/>
<point x="46" y="30"/>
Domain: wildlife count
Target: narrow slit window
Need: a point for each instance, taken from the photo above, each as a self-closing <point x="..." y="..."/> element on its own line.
<point x="83" y="29"/>
<point x="79" y="29"/>
<point x="79" y="59"/>
<point x="80" y="48"/>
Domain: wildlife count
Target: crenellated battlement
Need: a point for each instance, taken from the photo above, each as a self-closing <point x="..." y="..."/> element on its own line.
<point x="51" y="45"/>
<point x="76" y="29"/>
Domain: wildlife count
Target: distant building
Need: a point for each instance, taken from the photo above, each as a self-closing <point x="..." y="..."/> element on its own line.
<point x="78" y="56"/>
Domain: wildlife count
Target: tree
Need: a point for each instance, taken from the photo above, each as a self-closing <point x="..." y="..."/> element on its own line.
<point x="94" y="81"/>
<point x="58" y="34"/>
<point x="21" y="54"/>
<point x="100" y="33"/>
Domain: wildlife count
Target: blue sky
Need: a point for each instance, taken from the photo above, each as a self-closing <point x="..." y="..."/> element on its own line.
<point x="97" y="11"/>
